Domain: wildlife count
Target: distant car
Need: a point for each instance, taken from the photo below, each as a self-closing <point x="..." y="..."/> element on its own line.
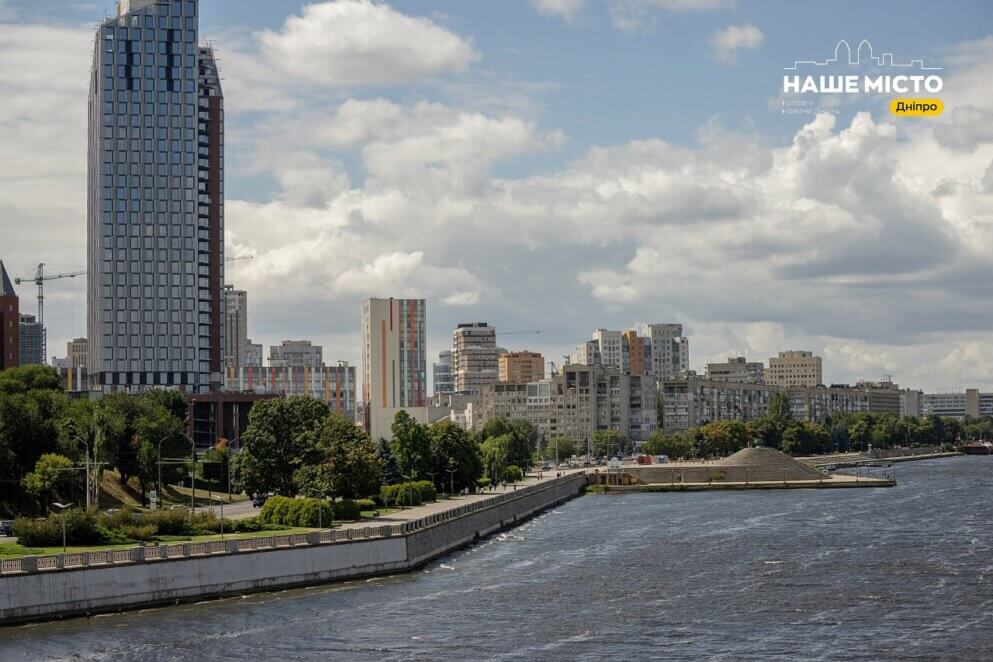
<point x="563" y="465"/>
<point x="6" y="528"/>
<point x="259" y="500"/>
<point x="546" y="466"/>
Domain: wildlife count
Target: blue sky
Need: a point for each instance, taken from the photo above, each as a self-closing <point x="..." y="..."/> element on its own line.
<point x="563" y="165"/>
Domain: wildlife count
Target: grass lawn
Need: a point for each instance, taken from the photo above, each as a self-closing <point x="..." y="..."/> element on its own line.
<point x="14" y="550"/>
<point x="378" y="512"/>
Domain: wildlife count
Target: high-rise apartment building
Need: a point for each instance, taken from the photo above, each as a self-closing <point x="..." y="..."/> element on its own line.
<point x="737" y="369"/>
<point x="475" y="357"/>
<point x="32" y="335"/>
<point x="77" y="353"/>
<point x="521" y="367"/>
<point x="10" y="323"/>
<point x="394" y="356"/>
<point x="155" y="202"/>
<point x="670" y="350"/>
<point x="794" y="368"/>
<point x="296" y="354"/>
<point x="638" y="353"/>
<point x="444" y="382"/>
<point x="240" y="351"/>
<point x="611" y="347"/>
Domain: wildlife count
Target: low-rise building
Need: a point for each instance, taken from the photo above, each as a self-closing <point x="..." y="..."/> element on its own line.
<point x="737" y="369"/>
<point x="958" y="403"/>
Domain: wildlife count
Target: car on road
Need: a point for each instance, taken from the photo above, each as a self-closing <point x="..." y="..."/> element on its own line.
<point x="6" y="527"/>
<point x="259" y="500"/>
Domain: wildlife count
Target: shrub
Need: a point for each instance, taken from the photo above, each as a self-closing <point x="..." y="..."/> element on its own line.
<point x="347" y="509"/>
<point x="483" y="482"/>
<point x="168" y="522"/>
<point x="427" y="490"/>
<point x="138" y="532"/>
<point x="514" y="474"/>
<point x="366" y="504"/>
<point x="125" y="516"/>
<point x="408" y="494"/>
<point x="275" y="509"/>
<point x="81" y="528"/>
<point x="202" y="523"/>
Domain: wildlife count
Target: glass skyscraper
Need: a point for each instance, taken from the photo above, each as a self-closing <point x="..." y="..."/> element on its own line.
<point x="155" y="203"/>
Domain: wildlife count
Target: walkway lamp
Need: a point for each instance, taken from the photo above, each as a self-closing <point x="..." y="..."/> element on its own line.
<point x="62" y="509"/>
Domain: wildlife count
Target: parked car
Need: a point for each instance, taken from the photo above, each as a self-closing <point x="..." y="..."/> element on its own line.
<point x="259" y="500"/>
<point x="547" y="466"/>
<point x="6" y="528"/>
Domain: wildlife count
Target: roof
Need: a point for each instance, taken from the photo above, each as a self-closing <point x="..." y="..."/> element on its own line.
<point x="6" y="288"/>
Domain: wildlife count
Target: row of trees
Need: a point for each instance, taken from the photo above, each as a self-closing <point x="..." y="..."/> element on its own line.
<point x="44" y="434"/>
<point x="779" y="429"/>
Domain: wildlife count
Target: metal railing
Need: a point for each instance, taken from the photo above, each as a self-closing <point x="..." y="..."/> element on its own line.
<point x="157" y="553"/>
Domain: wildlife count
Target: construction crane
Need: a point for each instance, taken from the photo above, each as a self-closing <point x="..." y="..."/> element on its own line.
<point x="39" y="280"/>
<point x="520" y="333"/>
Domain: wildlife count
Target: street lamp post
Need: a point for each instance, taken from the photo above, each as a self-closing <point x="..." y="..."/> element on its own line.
<point x="62" y="509"/>
<point x="89" y="490"/>
<point x="410" y="489"/>
<point x="451" y="481"/>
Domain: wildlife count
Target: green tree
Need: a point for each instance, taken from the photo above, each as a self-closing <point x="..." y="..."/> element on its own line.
<point x="559" y="449"/>
<point x="673" y="446"/>
<point x="346" y="462"/>
<point x="273" y="446"/>
<point x="495" y="453"/>
<point x="805" y="438"/>
<point x="721" y="438"/>
<point x="51" y="474"/>
<point x="410" y="446"/>
<point x="454" y="449"/>
<point x="860" y="435"/>
<point x="769" y="428"/>
<point x="609" y="443"/>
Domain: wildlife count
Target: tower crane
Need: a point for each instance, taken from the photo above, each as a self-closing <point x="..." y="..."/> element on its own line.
<point x="39" y="279"/>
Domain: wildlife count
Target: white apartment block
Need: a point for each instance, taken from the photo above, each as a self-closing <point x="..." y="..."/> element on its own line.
<point x="475" y="357"/>
<point x="670" y="350"/>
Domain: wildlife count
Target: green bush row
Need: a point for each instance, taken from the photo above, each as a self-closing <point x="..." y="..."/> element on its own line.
<point x="307" y="512"/>
<point x="408" y="494"/>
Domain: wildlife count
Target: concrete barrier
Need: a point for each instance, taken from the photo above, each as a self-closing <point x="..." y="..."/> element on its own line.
<point x="41" y="588"/>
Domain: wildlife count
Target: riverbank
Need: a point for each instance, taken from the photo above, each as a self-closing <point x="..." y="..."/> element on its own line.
<point x="59" y="586"/>
<point x="834" y="482"/>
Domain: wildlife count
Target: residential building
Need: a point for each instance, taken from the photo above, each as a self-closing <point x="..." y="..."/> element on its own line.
<point x="475" y="357"/>
<point x="333" y="385"/>
<point x="521" y="367"/>
<point x="690" y="401"/>
<point x="794" y="368"/>
<point x="10" y="323"/>
<point x="527" y="401"/>
<point x="32" y="335"/>
<point x="239" y="350"/>
<point x="670" y="350"/>
<point x="296" y="354"/>
<point x="443" y="380"/>
<point x="587" y="353"/>
<point x="884" y="396"/>
<point x="611" y="346"/>
<point x="737" y="369"/>
<point x="394" y="361"/>
<point x="637" y="351"/>
<point x="77" y="352"/>
<point x="958" y="403"/>
<point x="155" y="202"/>
<point x="585" y="399"/>
<point x="911" y="402"/>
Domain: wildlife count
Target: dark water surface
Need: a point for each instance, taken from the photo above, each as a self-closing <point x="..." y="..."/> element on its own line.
<point x="784" y="575"/>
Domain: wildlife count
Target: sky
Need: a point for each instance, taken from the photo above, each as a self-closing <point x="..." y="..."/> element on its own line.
<point x="559" y="165"/>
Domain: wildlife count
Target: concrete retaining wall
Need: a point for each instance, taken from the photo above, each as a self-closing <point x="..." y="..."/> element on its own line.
<point x="73" y="584"/>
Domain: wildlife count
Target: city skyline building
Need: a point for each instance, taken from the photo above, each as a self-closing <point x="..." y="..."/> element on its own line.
<point x="394" y="360"/>
<point x="32" y="335"/>
<point x="77" y="352"/>
<point x="10" y="322"/>
<point x="239" y="349"/>
<point x="475" y="357"/>
<point x="737" y="369"/>
<point x="670" y="350"/>
<point x="155" y="202"/>
<point x="794" y="368"/>
<point x="521" y="367"/>
<point x="442" y="378"/>
<point x="296" y="354"/>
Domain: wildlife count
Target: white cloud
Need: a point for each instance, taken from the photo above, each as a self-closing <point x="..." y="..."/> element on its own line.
<point x="357" y="42"/>
<point x="565" y="9"/>
<point x="965" y="129"/>
<point x="727" y="42"/>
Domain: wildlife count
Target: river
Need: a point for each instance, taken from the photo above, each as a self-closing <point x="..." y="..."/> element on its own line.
<point x="853" y="574"/>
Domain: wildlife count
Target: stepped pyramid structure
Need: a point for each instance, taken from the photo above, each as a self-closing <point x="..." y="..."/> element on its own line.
<point x="771" y="464"/>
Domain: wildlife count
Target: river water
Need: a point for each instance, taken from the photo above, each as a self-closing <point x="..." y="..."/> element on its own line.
<point x="851" y="574"/>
